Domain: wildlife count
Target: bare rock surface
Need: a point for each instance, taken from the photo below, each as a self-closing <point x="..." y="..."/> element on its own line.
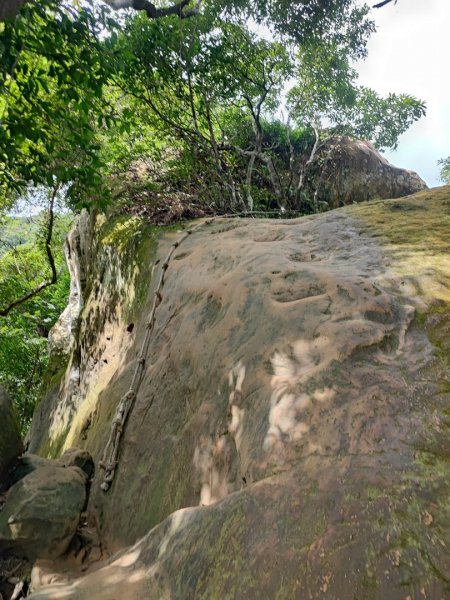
<point x="347" y="170"/>
<point x="10" y="438"/>
<point x="290" y="437"/>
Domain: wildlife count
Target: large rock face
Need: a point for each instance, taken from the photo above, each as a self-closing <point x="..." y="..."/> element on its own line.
<point x="290" y="435"/>
<point x="10" y="439"/>
<point x="347" y="170"/>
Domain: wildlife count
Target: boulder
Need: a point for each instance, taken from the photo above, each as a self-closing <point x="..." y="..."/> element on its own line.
<point x="42" y="512"/>
<point x="71" y="458"/>
<point x="347" y="170"/>
<point x="10" y="439"/>
<point x="74" y="457"/>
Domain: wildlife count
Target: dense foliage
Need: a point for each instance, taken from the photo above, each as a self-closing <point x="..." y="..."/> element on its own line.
<point x="78" y="83"/>
<point x="213" y="89"/>
<point x="445" y="169"/>
<point x="24" y="332"/>
<point x="51" y="82"/>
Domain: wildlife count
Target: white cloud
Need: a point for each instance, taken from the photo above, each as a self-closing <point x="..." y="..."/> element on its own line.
<point x="408" y="53"/>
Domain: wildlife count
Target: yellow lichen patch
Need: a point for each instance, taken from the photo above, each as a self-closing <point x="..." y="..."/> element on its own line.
<point x="121" y="231"/>
<point x="118" y="287"/>
<point x="415" y="232"/>
<point x="101" y="378"/>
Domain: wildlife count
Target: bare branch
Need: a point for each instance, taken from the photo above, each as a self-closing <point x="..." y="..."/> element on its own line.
<point x="380" y="4"/>
<point x="309" y="161"/>
<point x="248" y="181"/>
<point x="153" y="12"/>
<point x="266" y="159"/>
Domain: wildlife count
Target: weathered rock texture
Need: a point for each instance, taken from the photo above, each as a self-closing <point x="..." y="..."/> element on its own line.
<point x="10" y="439"/>
<point x="347" y="170"/>
<point x="63" y="372"/>
<point x="290" y="437"/>
<point x="42" y="509"/>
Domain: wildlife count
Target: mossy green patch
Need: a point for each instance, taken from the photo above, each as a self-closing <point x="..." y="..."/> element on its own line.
<point x="436" y="322"/>
<point x="49" y="394"/>
<point x="415" y="233"/>
<point x="136" y="242"/>
<point x="53" y="448"/>
<point x="119" y="230"/>
<point x="228" y="553"/>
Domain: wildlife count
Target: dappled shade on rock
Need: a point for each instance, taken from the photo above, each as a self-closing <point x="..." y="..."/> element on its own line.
<point x="290" y="436"/>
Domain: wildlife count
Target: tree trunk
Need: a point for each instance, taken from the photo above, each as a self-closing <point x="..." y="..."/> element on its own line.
<point x="248" y="182"/>
<point x="8" y="8"/>
<point x="308" y="162"/>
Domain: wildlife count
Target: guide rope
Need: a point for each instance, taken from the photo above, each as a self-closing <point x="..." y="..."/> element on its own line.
<point x="110" y="457"/>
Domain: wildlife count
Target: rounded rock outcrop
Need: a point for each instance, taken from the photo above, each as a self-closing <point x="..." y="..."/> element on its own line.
<point x="289" y="435"/>
<point x="346" y="170"/>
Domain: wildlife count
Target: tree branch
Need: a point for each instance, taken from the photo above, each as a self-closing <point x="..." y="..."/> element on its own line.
<point x="268" y="162"/>
<point x="380" y="4"/>
<point x="153" y="12"/>
<point x="51" y="261"/>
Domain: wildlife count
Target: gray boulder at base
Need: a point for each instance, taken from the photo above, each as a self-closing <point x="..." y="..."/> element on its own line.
<point x="42" y="512"/>
<point x="71" y="458"/>
<point x="345" y="171"/>
<point x="10" y="440"/>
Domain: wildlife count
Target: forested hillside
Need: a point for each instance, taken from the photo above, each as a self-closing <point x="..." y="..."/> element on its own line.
<point x="24" y="332"/>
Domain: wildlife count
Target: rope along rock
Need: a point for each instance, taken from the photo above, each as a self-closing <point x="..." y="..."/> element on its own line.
<point x="110" y="457"/>
<point x="111" y="453"/>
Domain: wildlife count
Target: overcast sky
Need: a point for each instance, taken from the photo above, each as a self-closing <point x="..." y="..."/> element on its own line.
<point x="410" y="53"/>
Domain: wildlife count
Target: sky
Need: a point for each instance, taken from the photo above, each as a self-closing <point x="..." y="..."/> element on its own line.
<point x="410" y="53"/>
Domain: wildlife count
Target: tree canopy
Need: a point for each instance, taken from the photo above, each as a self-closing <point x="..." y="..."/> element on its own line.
<point x="74" y="78"/>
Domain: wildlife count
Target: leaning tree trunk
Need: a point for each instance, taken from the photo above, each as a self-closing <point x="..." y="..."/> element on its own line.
<point x="248" y="183"/>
